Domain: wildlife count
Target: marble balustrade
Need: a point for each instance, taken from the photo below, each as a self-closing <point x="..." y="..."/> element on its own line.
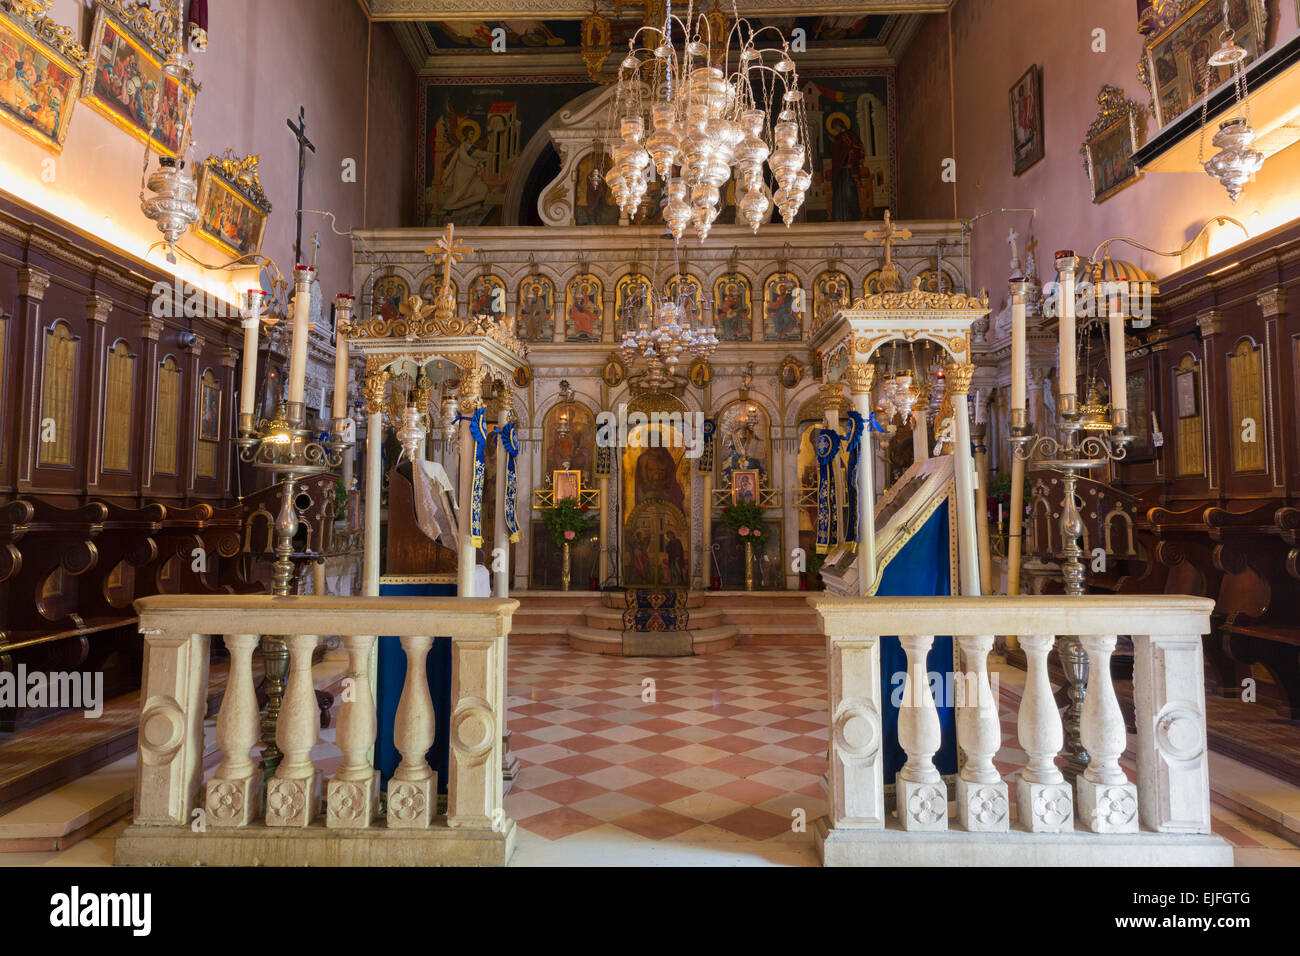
<point x="1171" y="794"/>
<point x="169" y="784"/>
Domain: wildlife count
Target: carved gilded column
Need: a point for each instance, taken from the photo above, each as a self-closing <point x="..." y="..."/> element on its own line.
<point x="958" y="376"/>
<point x="98" y="308"/>
<point x="32" y="283"/>
<point x="861" y="377"/>
<point x="375" y="388"/>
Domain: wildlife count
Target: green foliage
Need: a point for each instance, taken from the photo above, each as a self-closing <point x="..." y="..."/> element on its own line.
<point x="567" y="515"/>
<point x="746" y="515"/>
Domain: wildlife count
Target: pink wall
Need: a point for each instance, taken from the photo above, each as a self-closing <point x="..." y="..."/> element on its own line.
<point x="264" y="60"/>
<point x="993" y="43"/>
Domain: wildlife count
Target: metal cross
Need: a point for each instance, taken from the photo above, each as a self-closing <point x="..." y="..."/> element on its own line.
<point x="304" y="144"/>
<point x="888" y="235"/>
<point x="448" y="250"/>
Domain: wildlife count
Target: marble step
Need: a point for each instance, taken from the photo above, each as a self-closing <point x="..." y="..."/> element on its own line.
<point x="67" y="814"/>
<point x="595" y="640"/>
<point x="612" y="618"/>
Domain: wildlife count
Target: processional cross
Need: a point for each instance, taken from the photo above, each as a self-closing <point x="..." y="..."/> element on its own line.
<point x="304" y="144"/>
<point x="890" y="280"/>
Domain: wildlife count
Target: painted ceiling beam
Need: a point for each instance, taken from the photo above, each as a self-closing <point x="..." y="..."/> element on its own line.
<point x="577" y="9"/>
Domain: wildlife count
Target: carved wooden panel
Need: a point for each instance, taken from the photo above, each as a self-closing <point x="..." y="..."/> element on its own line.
<point x="60" y="373"/>
<point x="1189" y="444"/>
<point x="166" y="431"/>
<point x="1246" y="383"/>
<point x="209" y="425"/>
<point x="117" y="408"/>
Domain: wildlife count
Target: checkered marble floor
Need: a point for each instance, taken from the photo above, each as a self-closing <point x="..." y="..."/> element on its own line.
<point x="720" y="749"/>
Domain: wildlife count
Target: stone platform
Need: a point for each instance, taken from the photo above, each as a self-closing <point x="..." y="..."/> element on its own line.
<point x="893" y="846"/>
<point x="315" y="845"/>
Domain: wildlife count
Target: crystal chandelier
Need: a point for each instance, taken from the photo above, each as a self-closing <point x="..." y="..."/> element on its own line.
<point x="898" y="391"/>
<point x="696" y="108"/>
<point x="1237" y="161"/>
<point x="663" y="343"/>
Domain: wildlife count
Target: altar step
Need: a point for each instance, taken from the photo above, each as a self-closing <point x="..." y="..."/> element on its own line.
<point x="620" y="643"/>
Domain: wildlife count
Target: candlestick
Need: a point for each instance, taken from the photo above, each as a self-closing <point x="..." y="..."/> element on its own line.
<point x="1118" y="372"/>
<point x="1067" y="388"/>
<point x="254" y="301"/>
<point x="1019" y="290"/>
<point x="343" y="308"/>
<point x="302" y="277"/>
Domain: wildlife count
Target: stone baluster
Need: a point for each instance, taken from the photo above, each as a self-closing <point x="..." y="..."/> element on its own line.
<point x="413" y="789"/>
<point x="921" y="793"/>
<point x="293" y="794"/>
<point x="1107" y="800"/>
<point x="855" y="775"/>
<point x="1172" y="760"/>
<point x="234" y="792"/>
<point x="474" y="790"/>
<point x="352" y="797"/>
<point x="173" y="694"/>
<point x="1043" y="799"/>
<point x="981" y="792"/>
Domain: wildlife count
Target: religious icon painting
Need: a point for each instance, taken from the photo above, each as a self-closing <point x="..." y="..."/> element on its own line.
<point x="685" y="291"/>
<point x="566" y="484"/>
<point x="1027" y="144"/>
<point x="487" y="296"/>
<point x="233" y="209"/>
<point x="831" y="292"/>
<point x="593" y="203"/>
<point x="536" y="306"/>
<point x="39" y="84"/>
<point x="932" y="281"/>
<point x="744" y="487"/>
<point x="701" y="373"/>
<point x="389" y="294"/>
<point x="430" y="287"/>
<point x="614" y="372"/>
<point x="523" y="376"/>
<point x="791" y="372"/>
<point x="871" y="285"/>
<point x="126" y="84"/>
<point x="782" y="308"/>
<point x="584" y="320"/>
<point x="733" y="304"/>
<point x="743" y="441"/>
<point x="632" y="301"/>
<point x="1114" y="136"/>
<point x="210" y="410"/>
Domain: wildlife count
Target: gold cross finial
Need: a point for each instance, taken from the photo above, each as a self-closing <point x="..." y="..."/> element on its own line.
<point x="888" y="235"/>
<point x="448" y="250"/>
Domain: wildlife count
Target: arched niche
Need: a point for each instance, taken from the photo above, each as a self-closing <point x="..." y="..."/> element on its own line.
<point x="743" y="443"/>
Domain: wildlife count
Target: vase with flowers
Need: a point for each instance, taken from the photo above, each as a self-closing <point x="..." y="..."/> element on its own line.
<point x="746" y="519"/>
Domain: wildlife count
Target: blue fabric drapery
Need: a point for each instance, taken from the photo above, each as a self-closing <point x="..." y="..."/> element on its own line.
<point x="478" y="433"/>
<point x="853" y="440"/>
<point x="510" y="443"/>
<point x="826" y="443"/>
<point x="920" y="569"/>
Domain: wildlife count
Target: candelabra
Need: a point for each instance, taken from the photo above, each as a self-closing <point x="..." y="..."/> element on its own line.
<point x="662" y="344"/>
<point x="1091" y="436"/>
<point x="282" y="446"/>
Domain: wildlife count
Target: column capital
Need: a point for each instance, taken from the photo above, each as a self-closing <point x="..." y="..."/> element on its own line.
<point x="1272" y="302"/>
<point x="196" y="347"/>
<point x="1210" y="322"/>
<point x="958" y="376"/>
<point x="32" y="282"/>
<point x="151" y="328"/>
<point x="98" y="307"/>
<point x="860" y="376"/>
<point x="375" y="386"/>
<point x="229" y="357"/>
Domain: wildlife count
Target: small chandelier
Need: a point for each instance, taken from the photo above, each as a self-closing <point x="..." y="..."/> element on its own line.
<point x="1237" y="161"/>
<point x="172" y="206"/>
<point x="663" y="344"/>
<point x="694" y="113"/>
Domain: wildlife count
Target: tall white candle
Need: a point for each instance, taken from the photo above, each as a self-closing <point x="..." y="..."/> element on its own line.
<point x="1065" y="265"/>
<point x="253" y="304"/>
<point x="302" y="277"/>
<point x="343" y="307"/>
<point x="1018" y="349"/>
<point x="1118" y="367"/>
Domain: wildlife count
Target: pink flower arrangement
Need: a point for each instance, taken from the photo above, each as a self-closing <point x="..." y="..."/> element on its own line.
<point x="744" y="532"/>
<point x="569" y="535"/>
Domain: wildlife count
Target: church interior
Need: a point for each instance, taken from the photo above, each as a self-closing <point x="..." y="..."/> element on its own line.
<point x="649" y="432"/>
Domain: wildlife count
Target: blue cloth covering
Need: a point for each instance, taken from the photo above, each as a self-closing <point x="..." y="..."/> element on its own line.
<point x="390" y="676"/>
<point x="920" y="569"/>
